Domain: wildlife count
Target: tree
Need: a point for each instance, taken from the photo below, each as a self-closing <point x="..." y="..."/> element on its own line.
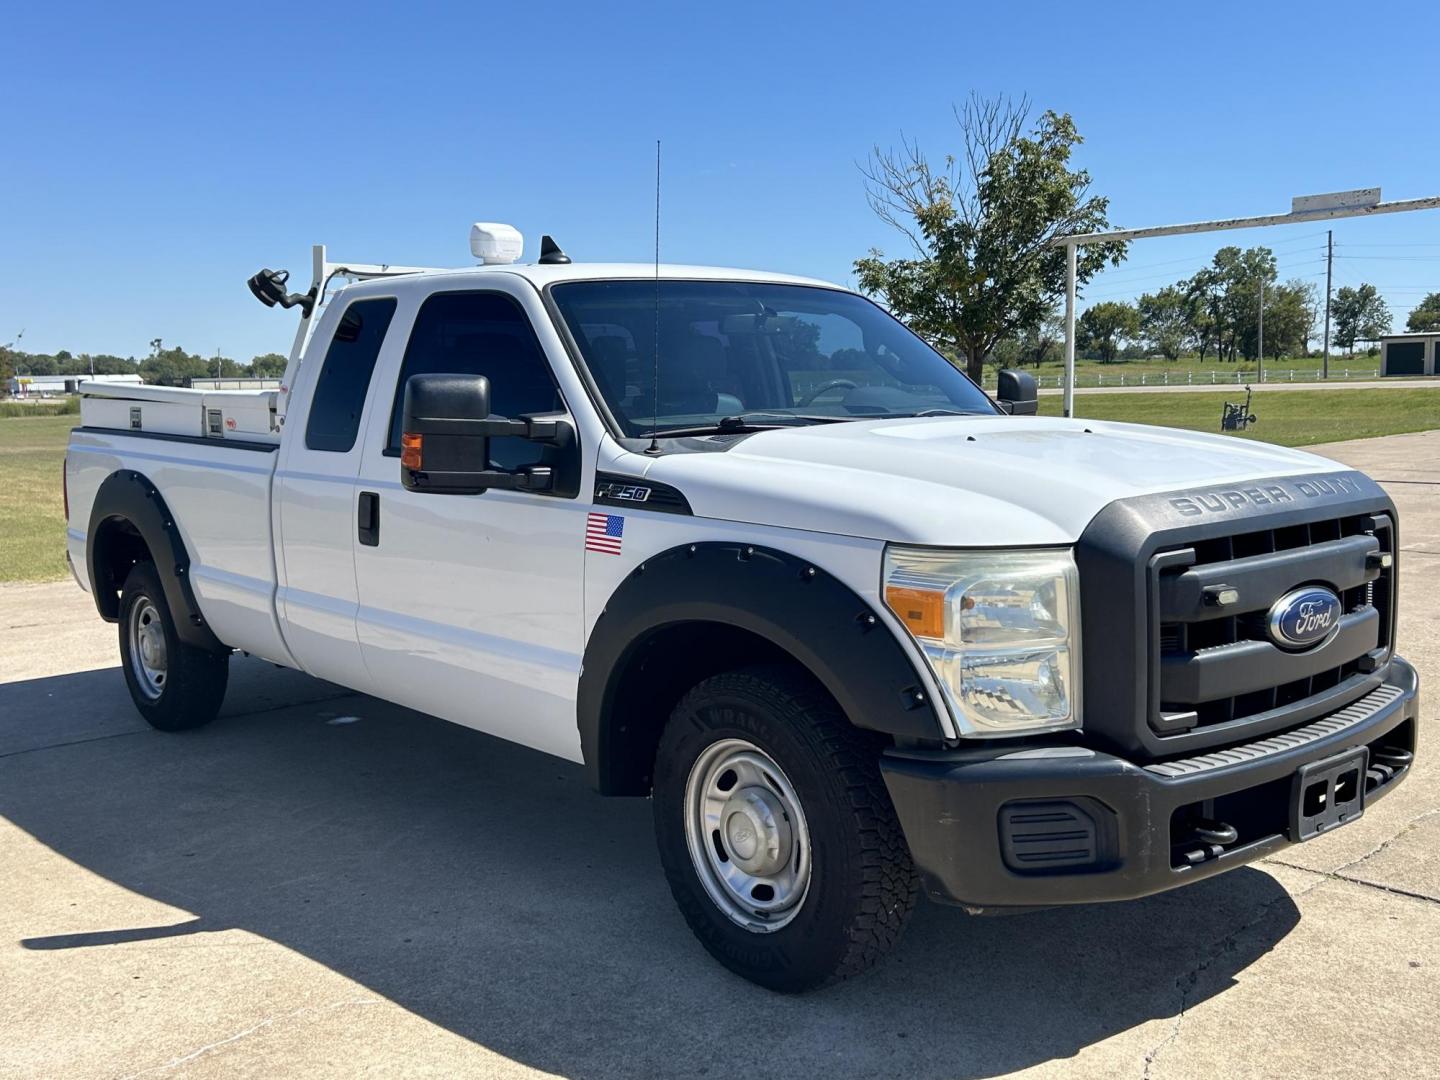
<point x="1290" y="318"/>
<point x="1165" y="320"/>
<point x="1036" y="345"/>
<point x="173" y="366"/>
<point x="1225" y="301"/>
<point x="267" y="366"/>
<point x="1104" y="325"/>
<point x="981" y="225"/>
<point x="1359" y="314"/>
<point x="1425" y="319"/>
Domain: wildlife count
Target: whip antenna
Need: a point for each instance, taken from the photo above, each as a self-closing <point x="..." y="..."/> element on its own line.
<point x="654" y="447"/>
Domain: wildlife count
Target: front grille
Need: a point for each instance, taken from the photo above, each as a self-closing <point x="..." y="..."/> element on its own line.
<point x="1168" y="671"/>
<point x="1214" y="666"/>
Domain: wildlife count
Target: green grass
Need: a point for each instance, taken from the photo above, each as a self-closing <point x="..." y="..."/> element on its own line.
<point x="68" y="407"/>
<point x="1296" y="418"/>
<point x="32" y="512"/>
<point x="1089" y="372"/>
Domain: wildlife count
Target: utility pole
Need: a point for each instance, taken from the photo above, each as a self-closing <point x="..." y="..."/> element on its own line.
<point x="1261" y="375"/>
<point x="1329" y="265"/>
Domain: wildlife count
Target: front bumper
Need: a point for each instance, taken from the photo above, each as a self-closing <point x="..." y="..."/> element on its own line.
<point x="993" y="828"/>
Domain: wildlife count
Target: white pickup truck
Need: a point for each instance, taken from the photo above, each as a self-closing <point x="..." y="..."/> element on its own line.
<point x="743" y="543"/>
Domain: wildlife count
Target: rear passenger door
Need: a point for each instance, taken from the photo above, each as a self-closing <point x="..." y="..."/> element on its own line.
<point x="471" y="605"/>
<point x="315" y="496"/>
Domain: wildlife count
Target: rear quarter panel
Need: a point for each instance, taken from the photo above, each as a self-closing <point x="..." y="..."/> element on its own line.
<point x="220" y="499"/>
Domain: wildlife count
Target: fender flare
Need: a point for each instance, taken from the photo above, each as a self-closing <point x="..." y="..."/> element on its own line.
<point x="129" y="496"/>
<point x="789" y="602"/>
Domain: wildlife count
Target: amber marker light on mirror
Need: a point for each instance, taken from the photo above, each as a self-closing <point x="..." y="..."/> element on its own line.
<point x="410" y="446"/>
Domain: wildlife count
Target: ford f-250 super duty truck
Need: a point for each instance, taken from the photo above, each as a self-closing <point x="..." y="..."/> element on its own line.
<point x="744" y="544"/>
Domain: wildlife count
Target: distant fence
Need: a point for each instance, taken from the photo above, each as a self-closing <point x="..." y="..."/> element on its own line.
<point x="1198" y="378"/>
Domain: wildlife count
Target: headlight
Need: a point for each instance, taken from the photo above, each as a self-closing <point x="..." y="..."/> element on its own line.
<point x="1001" y="630"/>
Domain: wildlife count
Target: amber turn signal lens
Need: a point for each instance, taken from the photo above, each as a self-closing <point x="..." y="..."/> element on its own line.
<point x="410" y="451"/>
<point x="921" y="610"/>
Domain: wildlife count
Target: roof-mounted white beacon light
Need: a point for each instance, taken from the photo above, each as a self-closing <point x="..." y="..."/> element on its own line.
<point x="494" y="243"/>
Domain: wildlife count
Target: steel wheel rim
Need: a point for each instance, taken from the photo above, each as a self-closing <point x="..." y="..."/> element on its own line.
<point x="148" y="659"/>
<point x="747" y="835"/>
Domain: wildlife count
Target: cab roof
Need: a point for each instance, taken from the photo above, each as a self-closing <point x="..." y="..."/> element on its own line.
<point x="541" y="275"/>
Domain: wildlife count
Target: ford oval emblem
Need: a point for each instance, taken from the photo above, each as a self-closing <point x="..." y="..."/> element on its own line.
<point x="1304" y="618"/>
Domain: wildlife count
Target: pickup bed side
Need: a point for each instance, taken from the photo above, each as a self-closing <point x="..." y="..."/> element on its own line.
<point x="217" y="503"/>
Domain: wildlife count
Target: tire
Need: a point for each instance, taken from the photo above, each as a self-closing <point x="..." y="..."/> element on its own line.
<point x="859" y="884"/>
<point x="175" y="686"/>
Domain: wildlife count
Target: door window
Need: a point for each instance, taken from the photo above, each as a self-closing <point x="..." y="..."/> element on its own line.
<point x="345" y="376"/>
<point x="481" y="333"/>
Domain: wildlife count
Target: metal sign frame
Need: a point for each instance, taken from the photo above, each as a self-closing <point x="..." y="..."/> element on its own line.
<point x="1340" y="204"/>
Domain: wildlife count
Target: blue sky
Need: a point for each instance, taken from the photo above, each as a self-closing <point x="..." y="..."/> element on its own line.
<point x="155" y="157"/>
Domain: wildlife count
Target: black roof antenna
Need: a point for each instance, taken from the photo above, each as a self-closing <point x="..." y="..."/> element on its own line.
<point x="654" y="447"/>
<point x="550" y="252"/>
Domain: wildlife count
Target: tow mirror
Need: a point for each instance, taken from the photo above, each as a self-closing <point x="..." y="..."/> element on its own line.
<point x="446" y="433"/>
<point x="1017" y="394"/>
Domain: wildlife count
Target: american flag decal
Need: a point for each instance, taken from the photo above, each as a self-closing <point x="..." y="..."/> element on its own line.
<point x="603" y="533"/>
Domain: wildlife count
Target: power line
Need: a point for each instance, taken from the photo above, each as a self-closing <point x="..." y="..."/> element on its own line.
<point x="1399" y="244"/>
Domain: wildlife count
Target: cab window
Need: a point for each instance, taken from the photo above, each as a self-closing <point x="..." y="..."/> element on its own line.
<point x="481" y="333"/>
<point x="345" y="375"/>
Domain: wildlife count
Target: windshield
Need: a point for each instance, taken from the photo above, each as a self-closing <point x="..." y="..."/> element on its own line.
<point x="758" y="354"/>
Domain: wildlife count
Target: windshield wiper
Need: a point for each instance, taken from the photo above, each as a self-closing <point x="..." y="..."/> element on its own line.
<point x="940" y="412"/>
<point x="746" y="422"/>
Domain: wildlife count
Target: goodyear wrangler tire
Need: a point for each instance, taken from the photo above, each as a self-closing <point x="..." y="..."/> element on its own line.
<point x="776" y="833"/>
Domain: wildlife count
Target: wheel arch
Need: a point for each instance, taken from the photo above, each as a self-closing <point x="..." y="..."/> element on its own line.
<point x="129" y="521"/>
<point x="699" y="609"/>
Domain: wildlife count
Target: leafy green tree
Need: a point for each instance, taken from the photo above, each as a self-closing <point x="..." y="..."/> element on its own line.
<point x="1205" y="295"/>
<point x="106" y="364"/>
<point x="981" y="225"/>
<point x="1103" y="326"/>
<point x="1290" y="318"/>
<point x="1165" y="320"/>
<point x="173" y="366"/>
<point x="1425" y="319"/>
<point x="267" y="366"/>
<point x="1359" y="314"/>
<point x="1225" y="299"/>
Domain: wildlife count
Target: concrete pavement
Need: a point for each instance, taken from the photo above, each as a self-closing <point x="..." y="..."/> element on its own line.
<point x="321" y="884"/>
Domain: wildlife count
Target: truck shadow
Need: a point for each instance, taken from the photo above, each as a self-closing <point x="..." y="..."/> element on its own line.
<point x="486" y="889"/>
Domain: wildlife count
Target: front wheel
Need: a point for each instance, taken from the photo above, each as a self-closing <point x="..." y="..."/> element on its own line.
<point x="174" y="685"/>
<point x="776" y="833"/>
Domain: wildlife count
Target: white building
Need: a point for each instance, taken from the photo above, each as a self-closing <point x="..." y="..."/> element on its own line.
<point x="1410" y="354"/>
<point x="53" y="385"/>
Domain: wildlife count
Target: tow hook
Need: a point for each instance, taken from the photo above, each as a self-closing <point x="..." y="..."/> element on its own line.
<point x="1216" y="836"/>
<point x="1385" y="762"/>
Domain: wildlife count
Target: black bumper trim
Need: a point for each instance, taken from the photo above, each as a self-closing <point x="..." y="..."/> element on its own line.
<point x="1353" y="714"/>
<point x="950" y="805"/>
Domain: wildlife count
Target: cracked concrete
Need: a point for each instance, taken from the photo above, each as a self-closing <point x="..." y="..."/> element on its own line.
<point x="1186" y="983"/>
<point x="220" y="1045"/>
<point x="277" y="895"/>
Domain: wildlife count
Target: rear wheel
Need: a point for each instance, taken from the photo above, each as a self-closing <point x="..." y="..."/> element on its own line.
<point x="776" y="832"/>
<point x="174" y="685"/>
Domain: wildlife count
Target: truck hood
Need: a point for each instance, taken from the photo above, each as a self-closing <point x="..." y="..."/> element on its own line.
<point x="961" y="481"/>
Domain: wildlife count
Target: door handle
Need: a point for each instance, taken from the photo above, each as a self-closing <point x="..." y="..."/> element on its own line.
<point x="368" y="518"/>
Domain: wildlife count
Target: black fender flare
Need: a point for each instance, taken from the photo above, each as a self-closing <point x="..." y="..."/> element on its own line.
<point x="789" y="602"/>
<point x="128" y="496"/>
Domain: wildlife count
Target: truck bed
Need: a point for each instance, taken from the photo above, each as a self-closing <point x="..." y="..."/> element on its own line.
<point x="217" y="490"/>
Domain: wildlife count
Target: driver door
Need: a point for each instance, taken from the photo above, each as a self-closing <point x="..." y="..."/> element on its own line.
<point x="471" y="606"/>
